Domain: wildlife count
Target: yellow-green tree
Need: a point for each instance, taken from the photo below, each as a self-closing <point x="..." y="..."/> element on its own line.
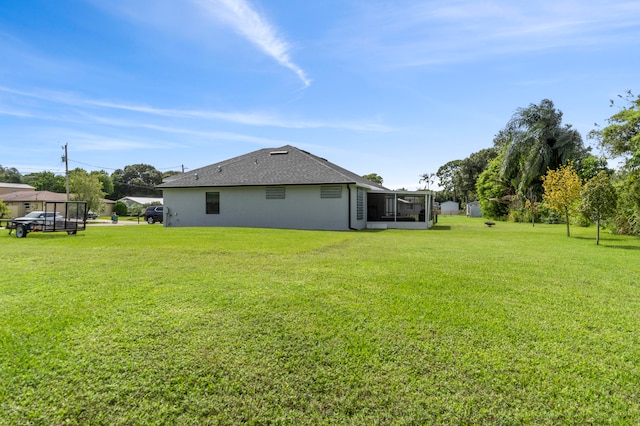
<point x="562" y="190"/>
<point x="87" y="187"/>
<point x="4" y="210"/>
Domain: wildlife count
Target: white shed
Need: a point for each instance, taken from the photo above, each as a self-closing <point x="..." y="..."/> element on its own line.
<point x="450" y="208"/>
<point x="473" y="209"/>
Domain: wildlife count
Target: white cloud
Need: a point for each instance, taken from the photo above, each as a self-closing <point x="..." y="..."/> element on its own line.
<point x="199" y="21"/>
<point x="246" y="21"/>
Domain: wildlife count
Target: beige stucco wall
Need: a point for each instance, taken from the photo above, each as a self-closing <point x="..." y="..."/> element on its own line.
<point x="18" y="209"/>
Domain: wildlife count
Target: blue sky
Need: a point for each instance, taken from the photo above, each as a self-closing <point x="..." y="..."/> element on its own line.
<point x="397" y="88"/>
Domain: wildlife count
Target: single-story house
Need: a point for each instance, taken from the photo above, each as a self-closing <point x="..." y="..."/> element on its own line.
<point x="450" y="208"/>
<point x="8" y="188"/>
<point x="139" y="202"/>
<point x="287" y="187"/>
<point x="22" y="202"/>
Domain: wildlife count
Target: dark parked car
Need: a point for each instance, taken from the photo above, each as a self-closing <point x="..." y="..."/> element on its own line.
<point x="153" y="214"/>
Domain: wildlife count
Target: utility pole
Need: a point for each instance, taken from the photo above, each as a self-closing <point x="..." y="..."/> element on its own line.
<point x="65" y="158"/>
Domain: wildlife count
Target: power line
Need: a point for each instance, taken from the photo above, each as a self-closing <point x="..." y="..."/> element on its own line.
<point x="121" y="168"/>
<point x="92" y="165"/>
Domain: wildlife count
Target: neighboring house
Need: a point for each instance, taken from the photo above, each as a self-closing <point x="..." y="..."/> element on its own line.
<point x="450" y="208"/>
<point x="139" y="202"/>
<point x="22" y="202"/>
<point x="473" y="209"/>
<point x="288" y="188"/>
<point x="107" y="207"/>
<point x="8" y="188"/>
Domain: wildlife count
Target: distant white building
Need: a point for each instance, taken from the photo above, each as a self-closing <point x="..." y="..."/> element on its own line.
<point x="450" y="208"/>
<point x="473" y="209"/>
<point x="134" y="202"/>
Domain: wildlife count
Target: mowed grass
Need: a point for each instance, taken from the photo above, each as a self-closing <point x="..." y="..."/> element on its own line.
<point x="461" y="324"/>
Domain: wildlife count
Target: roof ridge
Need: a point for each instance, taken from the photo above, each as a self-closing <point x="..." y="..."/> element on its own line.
<point x="286" y="164"/>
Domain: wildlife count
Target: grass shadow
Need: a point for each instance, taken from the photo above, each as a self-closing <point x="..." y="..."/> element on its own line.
<point x="621" y="247"/>
<point x="604" y="241"/>
<point x="440" y="228"/>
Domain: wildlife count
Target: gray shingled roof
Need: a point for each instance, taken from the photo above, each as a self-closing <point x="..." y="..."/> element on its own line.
<point x="287" y="165"/>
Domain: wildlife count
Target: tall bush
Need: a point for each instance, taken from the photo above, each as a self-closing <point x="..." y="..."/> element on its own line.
<point x="120" y="208"/>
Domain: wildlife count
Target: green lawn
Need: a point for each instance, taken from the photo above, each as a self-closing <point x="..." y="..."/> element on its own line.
<point x="462" y="324"/>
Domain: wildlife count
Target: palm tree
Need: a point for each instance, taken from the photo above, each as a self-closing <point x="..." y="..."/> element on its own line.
<point x="534" y="141"/>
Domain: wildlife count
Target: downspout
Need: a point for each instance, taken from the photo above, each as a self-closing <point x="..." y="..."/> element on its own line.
<point x="395" y="207"/>
<point x="349" y="209"/>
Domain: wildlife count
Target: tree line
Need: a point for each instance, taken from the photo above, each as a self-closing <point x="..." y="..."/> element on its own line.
<point x="540" y="170"/>
<point x="137" y="180"/>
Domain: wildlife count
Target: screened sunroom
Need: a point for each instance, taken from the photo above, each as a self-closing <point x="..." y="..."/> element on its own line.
<point x="400" y="209"/>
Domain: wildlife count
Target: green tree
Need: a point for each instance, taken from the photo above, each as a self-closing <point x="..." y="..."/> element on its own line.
<point x="599" y="199"/>
<point x="428" y="179"/>
<point x="621" y="138"/>
<point x="46" y="181"/>
<point x="136" y="180"/>
<point x="562" y="190"/>
<point x="492" y="190"/>
<point x="622" y="135"/>
<point x="86" y="187"/>
<point x="120" y="208"/>
<point x="535" y="140"/>
<point x="4" y="210"/>
<point x="446" y="175"/>
<point x="627" y="217"/>
<point x="589" y="167"/>
<point x="107" y="182"/>
<point x="469" y="171"/>
<point x="10" y="175"/>
<point x="374" y="177"/>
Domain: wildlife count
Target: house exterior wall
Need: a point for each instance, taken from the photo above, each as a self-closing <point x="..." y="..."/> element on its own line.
<point x="19" y="208"/>
<point x="302" y="208"/>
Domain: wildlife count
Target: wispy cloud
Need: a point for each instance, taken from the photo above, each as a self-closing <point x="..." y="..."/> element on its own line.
<point x="250" y="119"/>
<point x="209" y="135"/>
<point x="256" y="28"/>
<point x="201" y="21"/>
<point x="15" y="113"/>
<point x="410" y="33"/>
